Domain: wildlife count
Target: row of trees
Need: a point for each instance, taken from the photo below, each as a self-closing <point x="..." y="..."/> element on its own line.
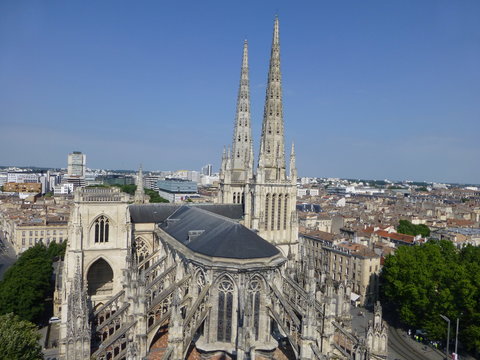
<point x="24" y="291"/>
<point x="154" y="196"/>
<point x="418" y="283"/>
<point x="406" y="227"/>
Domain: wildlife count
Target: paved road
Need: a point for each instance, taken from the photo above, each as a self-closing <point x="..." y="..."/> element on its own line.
<point x="402" y="347"/>
<point x="7" y="255"/>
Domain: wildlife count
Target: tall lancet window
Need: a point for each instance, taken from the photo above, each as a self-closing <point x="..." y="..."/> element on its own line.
<point x="267" y="203"/>
<point x="254" y="288"/>
<point x="279" y="212"/>
<point x="225" y="310"/>
<point x="274" y="203"/>
<point x="101" y="229"/>
<point x="285" y="212"/>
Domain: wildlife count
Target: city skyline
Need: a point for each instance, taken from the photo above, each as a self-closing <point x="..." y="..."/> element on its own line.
<point x="370" y="91"/>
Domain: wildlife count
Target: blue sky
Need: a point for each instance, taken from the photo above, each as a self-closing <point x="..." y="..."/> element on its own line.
<point x="372" y="89"/>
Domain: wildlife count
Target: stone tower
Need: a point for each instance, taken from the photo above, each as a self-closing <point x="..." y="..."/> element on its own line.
<point x="270" y="204"/>
<point x="237" y="167"/>
<point x="140" y="197"/>
<point x="99" y="243"/>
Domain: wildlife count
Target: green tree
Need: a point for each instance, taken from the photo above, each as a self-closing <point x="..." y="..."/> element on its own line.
<point x="155" y="197"/>
<point x="418" y="283"/>
<point x="27" y="284"/>
<point x="406" y="227"/>
<point x="18" y="339"/>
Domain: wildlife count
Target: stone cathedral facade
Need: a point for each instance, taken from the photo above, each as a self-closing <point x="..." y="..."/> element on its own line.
<point x="207" y="281"/>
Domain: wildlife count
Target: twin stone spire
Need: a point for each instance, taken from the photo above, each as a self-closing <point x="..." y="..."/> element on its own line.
<point x="271" y="163"/>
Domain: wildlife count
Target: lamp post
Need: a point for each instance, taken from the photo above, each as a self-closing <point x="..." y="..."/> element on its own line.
<point x="456" y="337"/>
<point x="448" y="333"/>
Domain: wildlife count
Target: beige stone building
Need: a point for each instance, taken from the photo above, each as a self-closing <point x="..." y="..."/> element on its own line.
<point x="345" y="262"/>
<point x="22" y="187"/>
<point x="28" y="234"/>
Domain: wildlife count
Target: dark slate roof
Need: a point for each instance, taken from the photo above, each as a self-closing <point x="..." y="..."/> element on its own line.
<point x="156" y="213"/>
<point x="221" y="237"/>
<point x="231" y="211"/>
<point x="151" y="213"/>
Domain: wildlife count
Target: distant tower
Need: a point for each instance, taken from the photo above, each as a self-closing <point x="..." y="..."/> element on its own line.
<point x="140" y="197"/>
<point x="76" y="164"/>
<point x="237" y="166"/>
<point x="269" y="196"/>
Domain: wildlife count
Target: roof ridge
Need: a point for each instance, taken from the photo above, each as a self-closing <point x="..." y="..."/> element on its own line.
<point x="211" y="213"/>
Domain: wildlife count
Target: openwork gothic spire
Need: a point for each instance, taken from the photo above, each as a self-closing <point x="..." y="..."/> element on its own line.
<point x="140" y="197"/>
<point x="272" y="148"/>
<point x="242" y="134"/>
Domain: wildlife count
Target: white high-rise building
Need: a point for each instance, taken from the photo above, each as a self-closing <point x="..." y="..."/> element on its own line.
<point x="76" y="164"/>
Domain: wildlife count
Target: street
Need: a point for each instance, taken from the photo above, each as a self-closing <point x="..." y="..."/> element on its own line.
<point x="7" y="255"/>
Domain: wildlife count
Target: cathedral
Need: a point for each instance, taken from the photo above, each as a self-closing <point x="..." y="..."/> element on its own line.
<point x="228" y="280"/>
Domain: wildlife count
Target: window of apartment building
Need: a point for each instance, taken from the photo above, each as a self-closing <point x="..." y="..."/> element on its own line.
<point x="48" y="241"/>
<point x="41" y="233"/>
<point x="23" y="233"/>
<point x="36" y="240"/>
<point x="48" y="232"/>
<point x="23" y="241"/>
<point x="60" y="232"/>
<point x="54" y="239"/>
<point x="36" y="233"/>
<point x="54" y="232"/>
<point x="30" y="241"/>
<point x="376" y="267"/>
<point x="31" y="233"/>
<point x="370" y="268"/>
<point x="60" y="239"/>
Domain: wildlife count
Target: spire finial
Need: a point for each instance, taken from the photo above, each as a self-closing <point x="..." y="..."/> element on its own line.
<point x="276" y="32"/>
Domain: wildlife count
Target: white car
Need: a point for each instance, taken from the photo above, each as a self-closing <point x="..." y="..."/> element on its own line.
<point x="53" y="320"/>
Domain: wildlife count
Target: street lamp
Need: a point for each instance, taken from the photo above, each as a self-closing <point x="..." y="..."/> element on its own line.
<point x="448" y="333"/>
<point x="456" y="338"/>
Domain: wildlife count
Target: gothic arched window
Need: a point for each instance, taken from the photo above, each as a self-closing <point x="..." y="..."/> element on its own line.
<point x="254" y="288"/>
<point x="141" y="249"/>
<point x="285" y="212"/>
<point x="225" y="310"/>
<point x="200" y="281"/>
<point x="267" y="201"/>
<point x="101" y="229"/>
<point x="279" y="212"/>
<point x="274" y="203"/>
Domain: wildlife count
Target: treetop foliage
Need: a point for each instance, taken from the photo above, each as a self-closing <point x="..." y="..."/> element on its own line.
<point x="418" y="283"/>
<point x="28" y="282"/>
<point x="154" y="196"/>
<point x="406" y="227"/>
<point x="18" y="339"/>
